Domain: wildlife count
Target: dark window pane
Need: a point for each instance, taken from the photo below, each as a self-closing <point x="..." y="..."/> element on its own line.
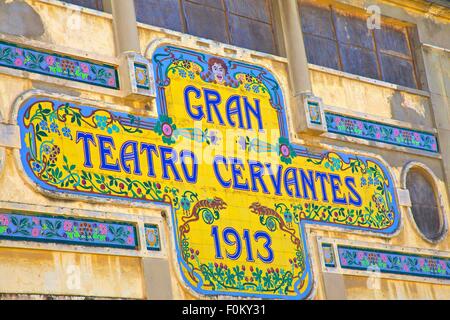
<point x="398" y="71"/>
<point x="316" y="21"/>
<point x="392" y="39"/>
<point x="424" y="208"/>
<point x="251" y="34"/>
<point x="165" y="14"/>
<point x="212" y="3"/>
<point x="92" y="4"/>
<point x="359" y="61"/>
<point x="205" y="22"/>
<point x="322" y="52"/>
<point x="254" y="9"/>
<point x="353" y="31"/>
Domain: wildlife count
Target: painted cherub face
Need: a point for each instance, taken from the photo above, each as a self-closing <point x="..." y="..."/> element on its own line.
<point x="218" y="72"/>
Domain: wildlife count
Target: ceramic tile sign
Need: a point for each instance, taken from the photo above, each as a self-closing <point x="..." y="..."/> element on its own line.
<point x="220" y="158"/>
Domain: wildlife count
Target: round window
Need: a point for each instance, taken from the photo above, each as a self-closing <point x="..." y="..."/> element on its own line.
<point x="425" y="209"/>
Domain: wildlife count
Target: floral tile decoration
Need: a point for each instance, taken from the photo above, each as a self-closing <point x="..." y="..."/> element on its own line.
<point x="328" y="255"/>
<point x="67" y="230"/>
<point x="152" y="237"/>
<point x="394" y="262"/>
<point x="379" y="132"/>
<point x="50" y="64"/>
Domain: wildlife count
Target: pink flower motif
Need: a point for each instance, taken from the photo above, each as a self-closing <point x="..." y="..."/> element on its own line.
<point x="416" y="136"/>
<point x="285" y="150"/>
<point x="344" y="261"/>
<point x="68" y="226"/>
<point x="337" y="120"/>
<point x="396" y="132"/>
<point x="130" y="240"/>
<point x="84" y="67"/>
<point x="405" y="267"/>
<point x="443" y="265"/>
<point x="111" y="81"/>
<point x="360" y="255"/>
<point x="130" y="229"/>
<point x="383" y="257"/>
<point x="18" y="62"/>
<point x="421" y="262"/>
<point x="19" y="51"/>
<point x="103" y="229"/>
<point x="4" y="220"/>
<point x="360" y="125"/>
<point x="50" y="60"/>
<point x="378" y="135"/>
<point x="35" y="220"/>
<point x="35" y="232"/>
<point x="433" y="146"/>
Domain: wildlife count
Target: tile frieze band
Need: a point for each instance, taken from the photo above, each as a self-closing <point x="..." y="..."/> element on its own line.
<point x="379" y="132"/>
<point x="387" y="261"/>
<point x="67" y="230"/>
<point x="60" y="66"/>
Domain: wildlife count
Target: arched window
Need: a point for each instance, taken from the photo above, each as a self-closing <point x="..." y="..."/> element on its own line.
<point x="425" y="207"/>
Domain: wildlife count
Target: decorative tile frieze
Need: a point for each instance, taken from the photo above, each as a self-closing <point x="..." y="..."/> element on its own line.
<point x="392" y="262"/>
<point x="379" y="132"/>
<point x="51" y="64"/>
<point x="67" y="230"/>
<point x="152" y="237"/>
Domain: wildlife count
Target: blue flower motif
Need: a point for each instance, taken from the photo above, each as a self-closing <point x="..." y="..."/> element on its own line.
<point x="255" y="89"/>
<point x="37" y="166"/>
<point x="44" y="125"/>
<point x="66" y="132"/>
<point x="191" y="75"/>
<point x="363" y="182"/>
<point x="182" y="73"/>
<point x="54" y="127"/>
<point x="46" y="149"/>
<point x="247" y="87"/>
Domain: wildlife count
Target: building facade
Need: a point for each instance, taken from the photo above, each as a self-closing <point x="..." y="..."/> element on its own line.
<point x="206" y="149"/>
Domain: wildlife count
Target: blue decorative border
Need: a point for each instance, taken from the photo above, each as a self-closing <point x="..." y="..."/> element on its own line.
<point x="392" y="262"/>
<point x="59" y="66"/>
<point x="152" y="237"/>
<point x="376" y="131"/>
<point x="67" y="230"/>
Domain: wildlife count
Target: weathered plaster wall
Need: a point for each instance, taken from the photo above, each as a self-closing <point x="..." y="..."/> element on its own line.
<point x="56" y="273"/>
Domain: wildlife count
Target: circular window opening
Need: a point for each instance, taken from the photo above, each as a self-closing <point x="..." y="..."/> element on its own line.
<point x="425" y="209"/>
